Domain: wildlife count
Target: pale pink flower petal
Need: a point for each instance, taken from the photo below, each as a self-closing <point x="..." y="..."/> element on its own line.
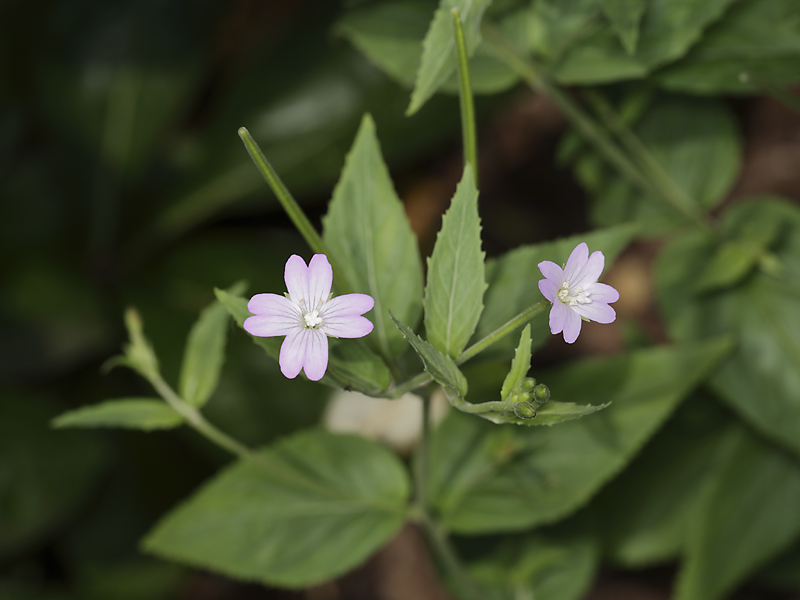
<point x="575" y="293"/>
<point x="307" y="316"/>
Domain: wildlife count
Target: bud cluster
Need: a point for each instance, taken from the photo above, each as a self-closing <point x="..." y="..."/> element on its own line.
<point x="528" y="397"/>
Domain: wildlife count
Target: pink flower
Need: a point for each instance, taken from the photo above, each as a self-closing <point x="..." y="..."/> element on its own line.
<point x="307" y="315"/>
<point x="575" y="292"/>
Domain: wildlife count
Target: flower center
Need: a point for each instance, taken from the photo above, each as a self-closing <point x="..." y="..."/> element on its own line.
<point x="312" y="319"/>
<point x="571" y="296"/>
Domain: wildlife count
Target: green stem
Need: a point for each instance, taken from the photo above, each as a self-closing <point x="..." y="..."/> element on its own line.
<point x="588" y="128"/>
<point x="483" y="407"/>
<point x="195" y="419"/>
<point x="670" y="191"/>
<point x="468" y="131"/>
<point x="292" y="208"/>
<point x="526" y="315"/>
<point x="421" y="455"/>
<point x="447" y="556"/>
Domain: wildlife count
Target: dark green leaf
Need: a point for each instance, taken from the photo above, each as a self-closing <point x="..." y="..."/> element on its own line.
<point x="519" y="366"/>
<point x="456" y="278"/>
<point x="487" y="479"/>
<point x="513" y="280"/>
<point x="146" y="414"/>
<point x="746" y="517"/>
<point x="625" y="16"/>
<point x="441" y="367"/>
<point x="299" y="513"/>
<point x="205" y="353"/>
<point x="549" y="566"/>
<point x="761" y="379"/>
<point x="438" y="49"/>
<point x="757" y="37"/>
<point x="369" y="235"/>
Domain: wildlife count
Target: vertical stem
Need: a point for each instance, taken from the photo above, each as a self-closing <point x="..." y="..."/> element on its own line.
<point x="291" y="207"/>
<point x="423" y="449"/>
<point x="468" y="131"/>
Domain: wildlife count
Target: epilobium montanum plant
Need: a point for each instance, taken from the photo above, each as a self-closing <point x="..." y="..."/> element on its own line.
<point x="307" y="315"/>
<point x="313" y="505"/>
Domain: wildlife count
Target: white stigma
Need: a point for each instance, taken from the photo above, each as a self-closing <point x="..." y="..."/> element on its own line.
<point x="312" y="319"/>
<point x="575" y="296"/>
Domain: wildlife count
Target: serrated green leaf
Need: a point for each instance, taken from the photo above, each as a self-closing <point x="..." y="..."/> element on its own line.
<point x="550" y="413"/>
<point x="625" y="16"/>
<point x="551" y="565"/>
<point x="205" y="353"/>
<point x="514" y="280"/>
<point x="747" y="517"/>
<point x="487" y="479"/>
<point x="273" y="518"/>
<point x="456" y="279"/>
<point x="368" y="233"/>
<point x="668" y="29"/>
<point x="146" y="414"/>
<point x="757" y="37"/>
<point x="441" y="367"/>
<point x="438" y="49"/>
<point x="520" y="365"/>
<point x="761" y="378"/>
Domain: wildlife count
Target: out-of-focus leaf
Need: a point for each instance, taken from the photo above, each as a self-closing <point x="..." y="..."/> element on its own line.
<point x="441" y="367"/>
<point x="205" y="353"/>
<point x="146" y="414"/>
<point x="761" y="378"/>
<point x="625" y="16"/>
<point x="456" y="278"/>
<point x="783" y="573"/>
<point x="759" y="37"/>
<point x="270" y="518"/>
<point x="45" y="476"/>
<point x="539" y="565"/>
<point x="668" y="29"/>
<point x="697" y="144"/>
<point x="371" y="240"/>
<point x="513" y="280"/>
<point x="390" y="35"/>
<point x="438" y="61"/>
<point x="645" y="511"/>
<point x="757" y="488"/>
<point x="487" y="479"/>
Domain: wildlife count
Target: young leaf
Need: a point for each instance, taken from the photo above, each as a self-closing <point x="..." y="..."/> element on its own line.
<point x="237" y="308"/>
<point x="438" y="49"/>
<point x="747" y="517"/>
<point x="456" y="279"/>
<point x="551" y="413"/>
<point x="272" y="518"/>
<point x="370" y="236"/>
<point x="146" y="414"/>
<point x="519" y="366"/>
<point x="761" y="378"/>
<point x="205" y="353"/>
<point x="441" y="367"/>
<point x="625" y="16"/>
<point x="488" y="479"/>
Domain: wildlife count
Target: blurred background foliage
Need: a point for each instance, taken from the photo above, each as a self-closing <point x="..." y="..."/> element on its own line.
<point x="123" y="182"/>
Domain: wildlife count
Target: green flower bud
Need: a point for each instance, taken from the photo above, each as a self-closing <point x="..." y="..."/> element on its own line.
<point x="527" y="384"/>
<point x="541" y="393"/>
<point x="522" y="397"/>
<point x="524" y="410"/>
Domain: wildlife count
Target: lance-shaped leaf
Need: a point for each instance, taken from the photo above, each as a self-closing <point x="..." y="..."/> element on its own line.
<point x="438" y="49"/>
<point x="625" y="16"/>
<point x="747" y="517"/>
<point x="205" y="352"/>
<point x="302" y="512"/>
<point x="550" y="413"/>
<point x="441" y="367"/>
<point x="488" y="479"/>
<point x="370" y="237"/>
<point x="145" y="414"/>
<point x="519" y="366"/>
<point x="456" y="280"/>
